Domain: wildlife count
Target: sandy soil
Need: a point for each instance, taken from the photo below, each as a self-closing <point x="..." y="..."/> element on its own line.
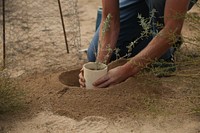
<point x="144" y="104"/>
<point x="34" y="36"/>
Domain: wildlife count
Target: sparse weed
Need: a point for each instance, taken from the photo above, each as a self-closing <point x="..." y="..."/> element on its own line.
<point x="10" y="95"/>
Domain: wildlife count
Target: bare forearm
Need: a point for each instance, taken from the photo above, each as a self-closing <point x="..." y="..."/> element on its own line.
<point x="146" y="56"/>
<point x="174" y="18"/>
<point x="108" y="39"/>
<point x="155" y="49"/>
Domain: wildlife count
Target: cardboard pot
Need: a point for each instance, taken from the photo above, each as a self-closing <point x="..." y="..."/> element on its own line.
<point x="92" y="72"/>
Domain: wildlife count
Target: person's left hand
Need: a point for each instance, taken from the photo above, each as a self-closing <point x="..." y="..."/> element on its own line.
<point x="114" y="76"/>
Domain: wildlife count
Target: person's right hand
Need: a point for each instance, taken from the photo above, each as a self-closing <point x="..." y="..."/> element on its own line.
<point x="81" y="79"/>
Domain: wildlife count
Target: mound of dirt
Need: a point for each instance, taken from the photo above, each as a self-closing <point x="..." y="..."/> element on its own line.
<point x="78" y="103"/>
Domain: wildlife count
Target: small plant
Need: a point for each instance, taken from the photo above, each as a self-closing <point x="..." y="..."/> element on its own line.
<point x="105" y="28"/>
<point x="99" y="68"/>
<point x="147" y="31"/>
<point x="146" y="24"/>
<point x="161" y="67"/>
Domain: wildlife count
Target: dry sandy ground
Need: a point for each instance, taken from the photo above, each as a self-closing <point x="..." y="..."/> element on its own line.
<point x="55" y="104"/>
<point x="34" y="36"/>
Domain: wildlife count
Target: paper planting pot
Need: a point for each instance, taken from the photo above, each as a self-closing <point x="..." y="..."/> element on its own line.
<point x="91" y="73"/>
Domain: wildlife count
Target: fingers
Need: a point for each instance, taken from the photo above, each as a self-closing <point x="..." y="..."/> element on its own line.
<point x="103" y="82"/>
<point x="81" y="79"/>
<point x="82" y="84"/>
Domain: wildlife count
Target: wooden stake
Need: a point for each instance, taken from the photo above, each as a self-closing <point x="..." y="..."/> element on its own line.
<point x="63" y="25"/>
<point x="4" y="36"/>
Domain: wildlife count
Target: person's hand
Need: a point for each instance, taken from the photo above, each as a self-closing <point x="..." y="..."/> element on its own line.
<point x="114" y="76"/>
<point x="81" y="79"/>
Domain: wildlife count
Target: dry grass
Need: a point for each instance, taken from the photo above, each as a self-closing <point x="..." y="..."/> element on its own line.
<point x="10" y="95"/>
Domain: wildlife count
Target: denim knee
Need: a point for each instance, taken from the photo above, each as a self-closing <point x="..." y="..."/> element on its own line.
<point x="93" y="47"/>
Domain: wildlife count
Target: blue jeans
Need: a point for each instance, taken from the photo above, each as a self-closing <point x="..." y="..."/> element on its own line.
<point x="130" y="28"/>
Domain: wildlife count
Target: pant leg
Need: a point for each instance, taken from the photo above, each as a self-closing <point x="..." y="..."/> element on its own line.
<point x="130" y="29"/>
<point x="93" y="47"/>
<point x="192" y="2"/>
<point x="158" y="18"/>
<point x="159" y="5"/>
